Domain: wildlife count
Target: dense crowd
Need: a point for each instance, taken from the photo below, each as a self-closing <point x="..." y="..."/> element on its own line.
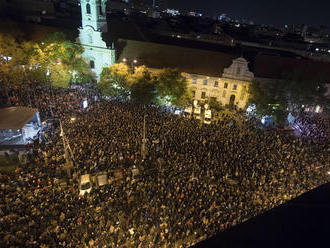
<point x="196" y="180"/>
<point x="314" y="125"/>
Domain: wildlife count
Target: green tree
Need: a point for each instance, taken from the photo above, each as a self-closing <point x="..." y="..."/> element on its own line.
<point x="214" y="104"/>
<point x="301" y="88"/>
<point x="60" y="75"/>
<point x="114" y="80"/>
<point x="55" y="49"/>
<point x="269" y="100"/>
<point x="143" y="87"/>
<point x="172" y="87"/>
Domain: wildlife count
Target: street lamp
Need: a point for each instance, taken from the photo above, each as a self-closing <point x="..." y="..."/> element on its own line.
<point x="132" y="63"/>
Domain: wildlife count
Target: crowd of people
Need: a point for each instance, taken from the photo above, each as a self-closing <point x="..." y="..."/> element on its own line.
<point x="194" y="181"/>
<point x="314" y="125"/>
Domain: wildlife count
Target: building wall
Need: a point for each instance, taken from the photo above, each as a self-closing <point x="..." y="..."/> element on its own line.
<point x="230" y="89"/>
<point x="221" y="89"/>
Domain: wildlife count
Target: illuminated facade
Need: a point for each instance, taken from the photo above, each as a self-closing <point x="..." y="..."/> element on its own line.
<point x="96" y="52"/>
<point x="230" y="89"/>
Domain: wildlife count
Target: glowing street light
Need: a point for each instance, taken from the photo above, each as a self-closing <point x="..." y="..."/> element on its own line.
<point x="132" y="63"/>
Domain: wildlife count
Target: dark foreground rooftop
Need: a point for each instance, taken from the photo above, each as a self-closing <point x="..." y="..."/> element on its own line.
<point x="15" y="117"/>
<point x="302" y="222"/>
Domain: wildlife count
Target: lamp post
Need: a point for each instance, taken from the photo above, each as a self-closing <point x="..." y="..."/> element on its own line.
<point x="131" y="63"/>
<point x="144" y="140"/>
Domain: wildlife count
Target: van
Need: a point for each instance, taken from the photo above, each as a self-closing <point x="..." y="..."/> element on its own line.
<point x="208" y="116"/>
<point x="188" y="111"/>
<point x="197" y="112"/>
<point x="85" y="184"/>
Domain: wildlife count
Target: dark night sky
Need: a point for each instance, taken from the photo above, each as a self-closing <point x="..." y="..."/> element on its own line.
<point x="277" y="12"/>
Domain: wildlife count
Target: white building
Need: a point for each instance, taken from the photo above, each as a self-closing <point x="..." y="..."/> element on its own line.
<point x="94" y="22"/>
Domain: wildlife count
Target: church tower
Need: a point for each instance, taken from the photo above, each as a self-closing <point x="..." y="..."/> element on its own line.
<point x="94" y="23"/>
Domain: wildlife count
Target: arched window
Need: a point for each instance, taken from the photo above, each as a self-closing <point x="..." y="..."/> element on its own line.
<point x="92" y="64"/>
<point x="100" y="10"/>
<point x="88" y="8"/>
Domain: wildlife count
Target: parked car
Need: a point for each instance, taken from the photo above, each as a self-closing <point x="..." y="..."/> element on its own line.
<point x="85" y="184"/>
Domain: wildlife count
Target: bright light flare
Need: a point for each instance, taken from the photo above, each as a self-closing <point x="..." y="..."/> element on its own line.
<point x="85" y="104"/>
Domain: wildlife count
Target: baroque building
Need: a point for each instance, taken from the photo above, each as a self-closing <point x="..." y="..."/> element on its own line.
<point x="230" y="89"/>
<point x="97" y="52"/>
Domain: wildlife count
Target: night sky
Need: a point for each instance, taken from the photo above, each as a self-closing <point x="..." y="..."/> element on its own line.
<point x="277" y="12"/>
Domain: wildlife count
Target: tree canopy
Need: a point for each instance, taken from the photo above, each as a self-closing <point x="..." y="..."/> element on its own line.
<point x="292" y="94"/>
<point x="55" y="60"/>
<point x="142" y="85"/>
<point x="172" y="87"/>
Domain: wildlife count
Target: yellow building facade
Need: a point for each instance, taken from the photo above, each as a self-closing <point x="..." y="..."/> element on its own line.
<point x="231" y="89"/>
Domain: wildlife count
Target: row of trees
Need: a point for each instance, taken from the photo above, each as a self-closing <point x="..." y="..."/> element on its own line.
<point x="291" y="94"/>
<point x="55" y="60"/>
<point x="140" y="84"/>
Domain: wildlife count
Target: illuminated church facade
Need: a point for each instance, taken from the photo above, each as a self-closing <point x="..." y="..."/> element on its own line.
<point x="94" y="23"/>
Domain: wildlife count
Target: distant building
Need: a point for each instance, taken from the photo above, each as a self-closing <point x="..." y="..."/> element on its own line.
<point x="230" y="89"/>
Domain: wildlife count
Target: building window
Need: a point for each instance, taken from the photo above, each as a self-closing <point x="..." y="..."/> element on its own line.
<point x="213" y="99"/>
<point x="100" y="10"/>
<point x="92" y="64"/>
<point x="203" y="95"/>
<point x="238" y="70"/>
<point x="216" y="84"/>
<point x="205" y="82"/>
<point x="193" y="93"/>
<point x="225" y="85"/>
<point x="224" y="93"/>
<point x="194" y="80"/>
<point x="235" y="87"/>
<point x="88" y="8"/>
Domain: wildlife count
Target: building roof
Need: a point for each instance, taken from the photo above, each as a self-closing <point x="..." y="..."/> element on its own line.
<point x="301" y="222"/>
<point x="15" y="117"/>
<point x="195" y="61"/>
